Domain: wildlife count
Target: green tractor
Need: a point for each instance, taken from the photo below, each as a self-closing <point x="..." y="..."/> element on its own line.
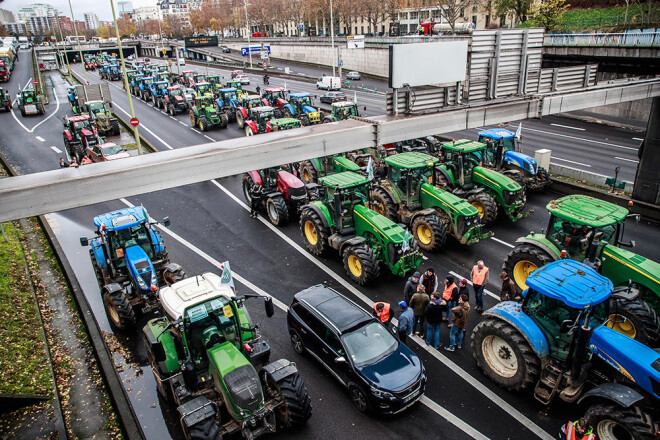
<point x="205" y="115"/>
<point x="235" y="84"/>
<point x="30" y="103"/>
<point x="462" y="173"/>
<point x="590" y="230"/>
<point x="311" y="170"/>
<point x="341" y="220"/>
<point x="342" y="110"/>
<point x="106" y="123"/>
<point x="408" y="194"/>
<point x="209" y="360"/>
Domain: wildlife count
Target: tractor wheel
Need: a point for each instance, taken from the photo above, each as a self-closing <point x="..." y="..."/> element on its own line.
<point x="153" y="101"/>
<point x="277" y="113"/>
<point x="635" y="319"/>
<point x="297" y="407"/>
<point x="328" y="120"/>
<point x="119" y="310"/>
<point x="612" y="422"/>
<point x="171" y="276"/>
<point x="308" y="173"/>
<point x="22" y="110"/>
<point x="542" y="180"/>
<point x="519" y="179"/>
<point x="504" y="355"/>
<point x="224" y="120"/>
<point x="205" y="429"/>
<point x="360" y="264"/>
<point x="429" y="232"/>
<point x="193" y="118"/>
<point x="164" y="388"/>
<point x="305" y="120"/>
<point x="314" y="233"/>
<point x="486" y="206"/>
<point x="203" y="123"/>
<point x="522" y="261"/>
<point x="115" y="128"/>
<point x="40" y="108"/>
<point x="239" y="119"/>
<point x="170" y="109"/>
<point x="278" y="213"/>
<point x="382" y="203"/>
<point x="248" y="131"/>
<point x="287" y="113"/>
<point x="248" y="183"/>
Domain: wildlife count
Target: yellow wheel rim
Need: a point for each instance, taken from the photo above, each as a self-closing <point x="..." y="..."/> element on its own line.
<point x="307" y="177"/>
<point x="310" y="233"/>
<point x="378" y="207"/>
<point x="521" y="271"/>
<point x="354" y="266"/>
<point x="200" y="126"/>
<point x="620" y="324"/>
<point x="192" y="119"/>
<point x="424" y="234"/>
<point x="480" y="208"/>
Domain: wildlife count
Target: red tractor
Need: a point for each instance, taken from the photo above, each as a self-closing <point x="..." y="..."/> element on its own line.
<point x="282" y="192"/>
<point x="4" y="71"/>
<point x="276" y="98"/>
<point x="79" y="134"/>
<point x="187" y="78"/>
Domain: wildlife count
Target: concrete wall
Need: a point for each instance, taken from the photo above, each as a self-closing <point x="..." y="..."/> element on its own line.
<point x="585" y="176"/>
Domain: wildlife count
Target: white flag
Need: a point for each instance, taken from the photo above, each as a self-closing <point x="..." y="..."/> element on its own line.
<point x="370" y="169"/>
<point x="519" y="131"/>
<point x="225" y="277"/>
<point x="405" y="246"/>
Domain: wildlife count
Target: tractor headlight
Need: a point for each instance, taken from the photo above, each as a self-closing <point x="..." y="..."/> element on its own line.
<point x="141" y="283"/>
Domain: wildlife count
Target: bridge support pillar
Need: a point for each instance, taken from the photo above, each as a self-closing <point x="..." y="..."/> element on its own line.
<point x="647" y="179"/>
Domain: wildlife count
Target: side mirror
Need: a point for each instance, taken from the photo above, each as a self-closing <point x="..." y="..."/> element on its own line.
<point x="268" y="303"/>
<point x="84" y="241"/>
<point x="166" y="222"/>
<point x="340" y="360"/>
<point x="633" y="243"/>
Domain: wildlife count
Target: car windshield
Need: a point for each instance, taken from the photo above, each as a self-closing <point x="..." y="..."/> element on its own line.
<point x="111" y="149"/>
<point x="369" y="344"/>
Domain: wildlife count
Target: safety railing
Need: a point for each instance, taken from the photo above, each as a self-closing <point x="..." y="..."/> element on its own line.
<point x="631" y="38"/>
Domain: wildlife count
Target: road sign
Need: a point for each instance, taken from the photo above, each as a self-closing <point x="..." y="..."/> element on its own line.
<point x="134" y="122"/>
<point x="36" y="83"/>
<point x="355" y="41"/>
<point x="340" y="63"/>
<point x="301" y="27"/>
<point x="256" y="48"/>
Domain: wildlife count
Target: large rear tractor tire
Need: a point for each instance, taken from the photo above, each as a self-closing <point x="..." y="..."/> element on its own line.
<point x="542" y="180"/>
<point x="504" y="355"/>
<point x="203" y="123"/>
<point x="119" y="310"/>
<point x="278" y="213"/>
<point x="522" y="261"/>
<point x="115" y="128"/>
<point x="308" y="173"/>
<point x="163" y="387"/>
<point x="224" y="121"/>
<point x="360" y="264"/>
<point x="247" y="185"/>
<point x="277" y="113"/>
<point x="612" y="422"/>
<point x="430" y="232"/>
<point x="193" y="118"/>
<point x="240" y="120"/>
<point x="248" y="131"/>
<point x="171" y="276"/>
<point x="486" y="206"/>
<point x="297" y="406"/>
<point x="314" y="233"/>
<point x="382" y="203"/>
<point x="635" y="319"/>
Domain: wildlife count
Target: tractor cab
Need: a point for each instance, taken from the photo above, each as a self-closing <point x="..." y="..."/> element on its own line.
<point x="198" y="78"/>
<point x="344" y="110"/>
<point x="461" y="157"/>
<point x="214" y="80"/>
<point x="162" y="76"/>
<point x="174" y="91"/>
<point x="203" y="88"/>
<point x="261" y="115"/>
<point x="146" y="81"/>
<point x="300" y="100"/>
<point x="187" y="77"/>
<point x="408" y="171"/>
<point x="276" y="96"/>
<point x="78" y="123"/>
<point x="235" y="84"/>
<point x="342" y="192"/>
<point x="249" y="101"/>
<point x="28" y="96"/>
<point x="227" y="94"/>
<point x="161" y="86"/>
<point x="205" y="102"/>
<point x="95" y="107"/>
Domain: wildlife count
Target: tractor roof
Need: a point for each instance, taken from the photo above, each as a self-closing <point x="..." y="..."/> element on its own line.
<point x="575" y="284"/>
<point x="274" y="89"/>
<point x="147" y="78"/>
<point x="121" y="219"/>
<point x="263" y="108"/>
<point x="343" y="104"/>
<point x="194" y="290"/>
<point x="185" y="72"/>
<point x="203" y="83"/>
<point x="346" y="179"/>
<point x="497" y="133"/>
<point x="411" y="160"/>
<point x="176" y="87"/>
<point x="161" y="82"/>
<point x="464" y="146"/>
<point x="585" y="210"/>
<point x="79" y="118"/>
<point x="299" y="95"/>
<point x="228" y="90"/>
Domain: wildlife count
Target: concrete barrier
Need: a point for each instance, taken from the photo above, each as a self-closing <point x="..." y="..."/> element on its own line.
<point x="584" y="176"/>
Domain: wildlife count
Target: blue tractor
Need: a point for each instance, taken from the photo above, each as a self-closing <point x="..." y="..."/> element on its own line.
<point x="227" y="102"/>
<point x="134" y="79"/>
<point x="558" y="344"/>
<point x="505" y="155"/>
<point x="158" y="90"/>
<point x="144" y="84"/>
<point x="300" y="107"/>
<point x="130" y="262"/>
<point x="113" y="73"/>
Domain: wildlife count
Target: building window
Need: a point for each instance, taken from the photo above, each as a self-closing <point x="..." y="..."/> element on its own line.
<point x="462" y="12"/>
<point x="503" y="20"/>
<point x="487" y="21"/>
<point x="414" y="15"/>
<point x="344" y="29"/>
<point x="436" y="13"/>
<point x="356" y="30"/>
<point x="362" y="30"/>
<point x="404" y="29"/>
<point x="474" y="21"/>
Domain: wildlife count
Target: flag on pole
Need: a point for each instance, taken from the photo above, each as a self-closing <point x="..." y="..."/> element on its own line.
<point x="225" y="277"/>
<point x="370" y="169"/>
<point x="405" y="246"/>
<point x="519" y="131"/>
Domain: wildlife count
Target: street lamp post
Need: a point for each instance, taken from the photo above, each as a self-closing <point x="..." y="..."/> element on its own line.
<point x="247" y="24"/>
<point x="75" y="29"/>
<point x="332" y="39"/>
<point x="64" y="57"/>
<point x="136" y="133"/>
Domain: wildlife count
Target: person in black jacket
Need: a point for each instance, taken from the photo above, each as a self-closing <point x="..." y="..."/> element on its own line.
<point x="433" y="315"/>
<point x="411" y="287"/>
<point x="255" y="194"/>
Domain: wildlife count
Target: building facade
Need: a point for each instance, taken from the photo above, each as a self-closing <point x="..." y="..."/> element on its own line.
<point x="7" y="16"/>
<point x="124" y="7"/>
<point x="146" y="13"/>
<point x="91" y="20"/>
<point x="179" y="9"/>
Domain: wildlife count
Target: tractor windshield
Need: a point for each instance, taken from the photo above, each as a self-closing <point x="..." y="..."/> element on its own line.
<point x="471" y="160"/>
<point x="276" y="95"/>
<point x="305" y="101"/>
<point x="574" y="238"/>
<point x="254" y="102"/>
<point x="509" y="144"/>
<point x="95" y="107"/>
<point x="80" y="125"/>
<point x="162" y="86"/>
<point x="125" y="238"/>
<point x="265" y="116"/>
<point x="175" y="92"/>
<point x="207" y="324"/>
<point x="226" y="96"/>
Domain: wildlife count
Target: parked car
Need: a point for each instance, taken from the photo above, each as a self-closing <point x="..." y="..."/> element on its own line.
<point x="353" y="76"/>
<point x="106" y="151"/>
<point x="243" y="78"/>
<point x="331" y="97"/>
<point x="235" y="73"/>
<point x="226" y="50"/>
<point x="382" y="375"/>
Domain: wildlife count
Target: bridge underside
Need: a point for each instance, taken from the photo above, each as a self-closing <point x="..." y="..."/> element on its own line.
<point x="611" y="64"/>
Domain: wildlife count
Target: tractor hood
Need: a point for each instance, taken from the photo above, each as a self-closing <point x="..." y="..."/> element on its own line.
<point x="495" y="180"/>
<point x="289" y="180"/>
<point x="141" y="269"/>
<point x="309" y="109"/>
<point x="432" y="196"/>
<point x="281" y="102"/>
<point x="621" y="265"/>
<point x="284" y="123"/>
<point x="522" y="160"/>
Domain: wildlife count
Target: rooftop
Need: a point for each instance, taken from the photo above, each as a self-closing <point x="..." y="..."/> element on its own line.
<point x="585" y="210"/>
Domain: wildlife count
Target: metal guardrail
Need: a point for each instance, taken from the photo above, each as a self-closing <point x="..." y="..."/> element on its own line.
<point x="631" y="38"/>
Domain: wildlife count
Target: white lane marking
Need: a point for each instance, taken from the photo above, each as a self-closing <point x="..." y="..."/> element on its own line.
<point x="571" y="161"/>
<point x="638" y="139"/>
<point x="147" y="130"/>
<point x="19" y="122"/>
<point x="581" y="139"/>
<point x="502" y="242"/>
<point x="424" y="400"/>
<point x="627" y="160"/>
<point x="195" y="130"/>
<point x="55" y="149"/>
<point x="39" y="138"/>
<point x="566" y="126"/>
<point x="486" y="291"/>
<point x="183" y="123"/>
<point x="520" y="417"/>
<point x="57" y="107"/>
<point x="172" y="117"/>
<point x="209" y="138"/>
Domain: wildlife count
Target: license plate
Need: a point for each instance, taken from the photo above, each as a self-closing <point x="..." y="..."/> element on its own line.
<point x="411" y="396"/>
<point x="31" y="108"/>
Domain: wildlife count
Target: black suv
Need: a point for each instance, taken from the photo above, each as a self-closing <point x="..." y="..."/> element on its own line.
<point x="381" y="374"/>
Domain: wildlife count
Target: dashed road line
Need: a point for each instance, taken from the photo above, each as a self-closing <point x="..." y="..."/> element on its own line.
<point x="39" y="138"/>
<point x="638" y="139"/>
<point x="571" y="161"/>
<point x="572" y="128"/>
<point x="195" y="130"/>
<point x="55" y="149"/>
<point x="502" y="242"/>
<point x="183" y="123"/>
<point x="209" y="138"/>
<point x="581" y="139"/>
<point x="147" y="130"/>
<point x="627" y="160"/>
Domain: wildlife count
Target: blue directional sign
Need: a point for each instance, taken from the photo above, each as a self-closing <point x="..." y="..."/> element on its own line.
<point x="244" y="50"/>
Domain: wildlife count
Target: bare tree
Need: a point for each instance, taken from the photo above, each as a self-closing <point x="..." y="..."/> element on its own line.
<point x="452" y="10"/>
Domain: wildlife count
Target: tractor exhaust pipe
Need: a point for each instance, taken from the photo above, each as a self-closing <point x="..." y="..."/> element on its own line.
<point x="461" y="171"/>
<point x="579" y="355"/>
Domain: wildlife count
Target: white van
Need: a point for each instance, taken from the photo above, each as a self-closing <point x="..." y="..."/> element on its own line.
<point x="329" y="83"/>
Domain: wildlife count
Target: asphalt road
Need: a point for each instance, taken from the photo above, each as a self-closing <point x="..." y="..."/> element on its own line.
<point x="210" y="224"/>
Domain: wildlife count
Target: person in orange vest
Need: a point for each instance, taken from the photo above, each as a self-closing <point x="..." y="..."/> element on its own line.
<point x="578" y="430"/>
<point x="479" y="277"/>
<point x="383" y="312"/>
<point x="450" y="294"/>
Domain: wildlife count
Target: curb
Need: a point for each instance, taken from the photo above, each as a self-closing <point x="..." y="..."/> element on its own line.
<point x="149" y="146"/>
<point x="121" y="403"/>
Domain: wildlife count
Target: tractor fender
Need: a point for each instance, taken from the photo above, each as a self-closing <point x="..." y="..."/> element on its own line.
<point x="252" y="125"/>
<point x="446" y="175"/>
<point x="616" y="393"/>
<point x="273" y="194"/>
<point x="68" y="135"/>
<point x="265" y="101"/>
<point x="112" y="288"/>
<point x="423" y="212"/>
<point x="219" y="103"/>
<point x="289" y="107"/>
<point x="355" y="241"/>
<point x="320" y="213"/>
<point x="269" y="127"/>
<point x="279" y="369"/>
<point x="172" y="267"/>
<point x="281" y="103"/>
<point x="243" y="111"/>
<point x="510" y="312"/>
<point x="156" y="240"/>
<point x="256" y="177"/>
<point x="551" y="252"/>
<point x="99" y="253"/>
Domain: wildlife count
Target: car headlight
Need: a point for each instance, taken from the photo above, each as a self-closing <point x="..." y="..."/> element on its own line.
<point x="380" y="393"/>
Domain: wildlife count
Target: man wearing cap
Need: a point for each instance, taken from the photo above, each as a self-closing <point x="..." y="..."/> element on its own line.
<point x="508" y="292"/>
<point x="411" y="287"/>
<point x="479" y="277"/>
<point x="405" y="326"/>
